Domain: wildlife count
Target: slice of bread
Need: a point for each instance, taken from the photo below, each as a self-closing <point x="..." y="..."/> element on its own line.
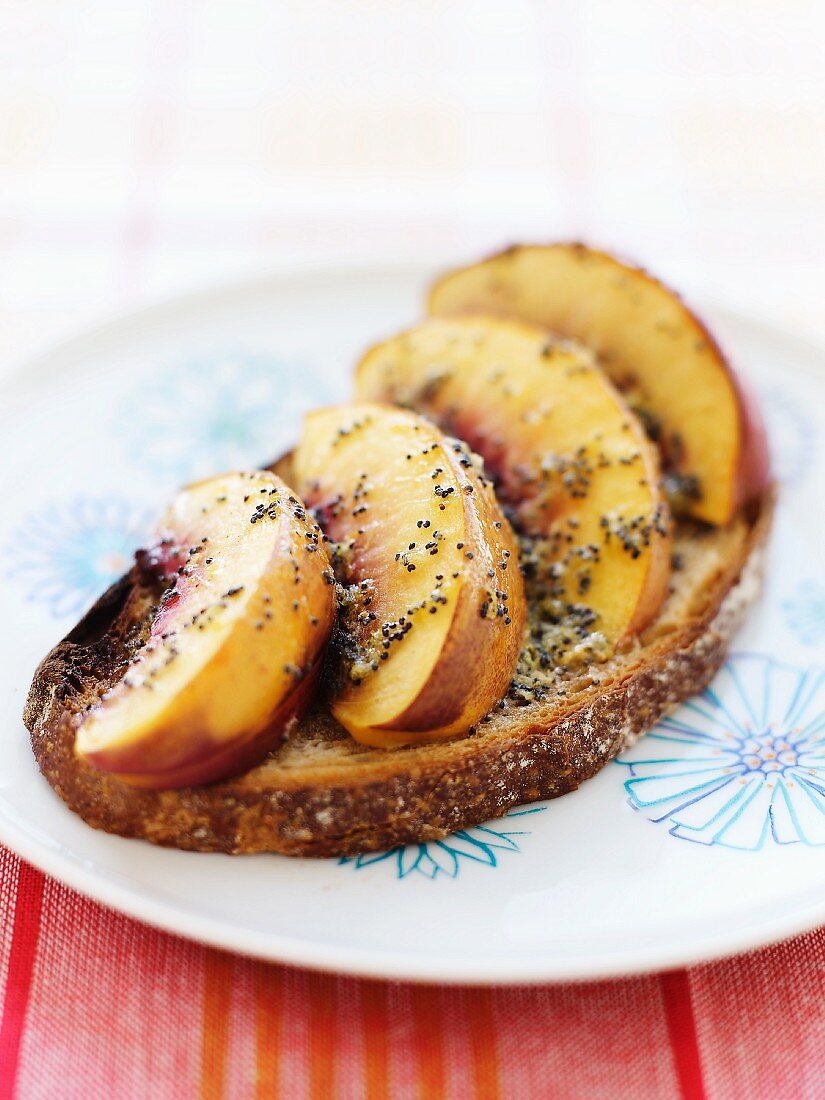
<point x="322" y="794"/>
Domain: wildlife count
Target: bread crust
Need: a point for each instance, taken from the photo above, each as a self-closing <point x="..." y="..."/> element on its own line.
<point x="322" y="795"/>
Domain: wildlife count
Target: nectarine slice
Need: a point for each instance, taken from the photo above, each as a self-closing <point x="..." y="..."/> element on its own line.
<point x="568" y="456"/>
<point x="236" y="644"/>
<point x="652" y="346"/>
<point x="435" y="606"/>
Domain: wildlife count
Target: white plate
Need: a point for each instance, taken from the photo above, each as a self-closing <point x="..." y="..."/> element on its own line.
<point x="663" y="859"/>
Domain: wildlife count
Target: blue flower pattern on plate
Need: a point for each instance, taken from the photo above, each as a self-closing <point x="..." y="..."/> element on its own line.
<point x="805" y="612"/>
<point x="217" y="412"/>
<point x="743" y="764"/>
<point x="66" y="554"/>
<point x="445" y="858"/>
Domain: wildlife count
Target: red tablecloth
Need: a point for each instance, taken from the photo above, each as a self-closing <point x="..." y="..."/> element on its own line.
<point x="97" y="1005"/>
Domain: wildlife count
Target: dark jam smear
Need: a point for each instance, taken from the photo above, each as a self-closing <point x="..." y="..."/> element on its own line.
<point x="161" y="562"/>
<point x="162" y="568"/>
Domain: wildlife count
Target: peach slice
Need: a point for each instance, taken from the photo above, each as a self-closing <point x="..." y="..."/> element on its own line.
<point x="652" y="346"/>
<point x="436" y="606"/>
<point x="235" y="646"/>
<point x="567" y="454"/>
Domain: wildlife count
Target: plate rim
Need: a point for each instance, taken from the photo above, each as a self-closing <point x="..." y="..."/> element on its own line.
<point x="532" y="968"/>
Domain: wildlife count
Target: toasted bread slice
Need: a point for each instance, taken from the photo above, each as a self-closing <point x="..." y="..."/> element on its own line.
<point x="322" y="794"/>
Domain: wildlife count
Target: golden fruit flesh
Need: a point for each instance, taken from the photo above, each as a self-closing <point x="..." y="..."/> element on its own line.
<point x="236" y="643"/>
<point x="651" y="345"/>
<point x="569" y="457"/>
<point x="436" y="620"/>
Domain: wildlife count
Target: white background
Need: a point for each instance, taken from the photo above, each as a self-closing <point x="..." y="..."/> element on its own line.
<point x="147" y="146"/>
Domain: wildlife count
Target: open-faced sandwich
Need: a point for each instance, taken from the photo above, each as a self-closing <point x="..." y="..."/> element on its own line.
<point x="531" y="535"/>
